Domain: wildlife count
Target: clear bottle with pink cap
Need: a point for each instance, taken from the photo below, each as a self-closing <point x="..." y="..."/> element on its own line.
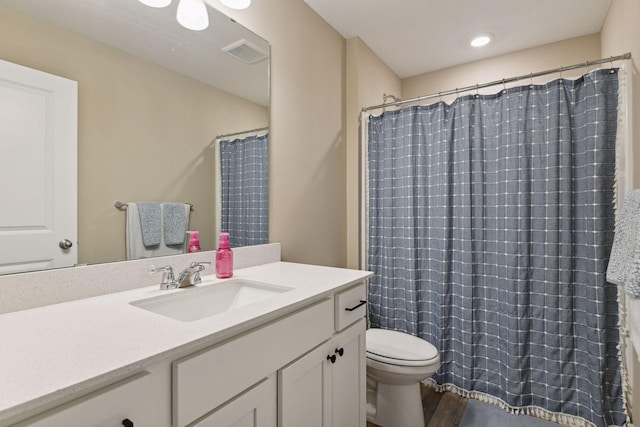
<point x="224" y="258"/>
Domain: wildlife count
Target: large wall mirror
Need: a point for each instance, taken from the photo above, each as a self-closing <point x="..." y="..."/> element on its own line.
<point x="152" y="100"/>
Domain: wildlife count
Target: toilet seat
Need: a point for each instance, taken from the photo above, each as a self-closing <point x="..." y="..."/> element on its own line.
<point x="398" y="348"/>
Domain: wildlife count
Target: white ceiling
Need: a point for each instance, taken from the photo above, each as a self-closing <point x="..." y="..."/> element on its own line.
<point x="154" y="35"/>
<point x="416" y="36"/>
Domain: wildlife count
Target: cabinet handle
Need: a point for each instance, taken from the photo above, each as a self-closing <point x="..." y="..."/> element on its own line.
<point x="356" y="306"/>
<point x="332" y="358"/>
<point x="340" y="351"/>
<point x="127" y="422"/>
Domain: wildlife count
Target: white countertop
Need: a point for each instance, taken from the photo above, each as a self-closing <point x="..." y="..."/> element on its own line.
<point x="52" y="352"/>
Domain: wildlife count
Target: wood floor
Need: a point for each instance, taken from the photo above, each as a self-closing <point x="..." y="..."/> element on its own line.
<point x="440" y="409"/>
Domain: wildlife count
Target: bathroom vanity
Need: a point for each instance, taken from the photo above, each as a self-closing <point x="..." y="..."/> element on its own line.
<point x="294" y="358"/>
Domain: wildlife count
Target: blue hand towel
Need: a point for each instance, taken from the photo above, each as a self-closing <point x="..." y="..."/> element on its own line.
<point x="624" y="261"/>
<point x="150" y="215"/>
<point x="175" y="220"/>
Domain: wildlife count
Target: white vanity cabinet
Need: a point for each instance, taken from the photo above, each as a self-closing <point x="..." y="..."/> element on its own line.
<point x="326" y="387"/>
<point x="205" y="380"/>
<point x="126" y="403"/>
<point x="302" y="368"/>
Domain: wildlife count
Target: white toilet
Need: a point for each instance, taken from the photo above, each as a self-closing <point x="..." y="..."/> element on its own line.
<point x="396" y="363"/>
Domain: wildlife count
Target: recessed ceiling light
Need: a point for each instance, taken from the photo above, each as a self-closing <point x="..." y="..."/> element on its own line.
<point x="480" y="40"/>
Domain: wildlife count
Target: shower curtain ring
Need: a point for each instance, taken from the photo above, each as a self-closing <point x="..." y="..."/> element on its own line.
<point x="477" y="92"/>
<point x="586" y="67"/>
<point x="504" y="85"/>
<point x="611" y="70"/>
<point x="531" y="80"/>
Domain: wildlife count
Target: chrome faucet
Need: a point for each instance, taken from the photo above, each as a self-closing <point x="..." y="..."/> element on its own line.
<point x="168" y="279"/>
<point x="191" y="275"/>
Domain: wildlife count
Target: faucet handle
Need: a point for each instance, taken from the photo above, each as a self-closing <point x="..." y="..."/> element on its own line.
<point x="168" y="279"/>
<point x="199" y="266"/>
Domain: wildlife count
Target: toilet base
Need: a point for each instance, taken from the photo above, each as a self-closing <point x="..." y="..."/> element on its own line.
<point x="396" y="406"/>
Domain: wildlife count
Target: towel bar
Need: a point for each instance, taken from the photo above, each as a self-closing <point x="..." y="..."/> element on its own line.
<point x="123" y="205"/>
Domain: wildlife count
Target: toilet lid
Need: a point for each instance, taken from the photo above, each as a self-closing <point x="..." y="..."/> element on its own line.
<point x="395" y="347"/>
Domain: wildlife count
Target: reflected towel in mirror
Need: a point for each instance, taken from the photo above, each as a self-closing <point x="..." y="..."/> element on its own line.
<point x="133" y="236"/>
<point x="150" y="214"/>
<point x="175" y="221"/>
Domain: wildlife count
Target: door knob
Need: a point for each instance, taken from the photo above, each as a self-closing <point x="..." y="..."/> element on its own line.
<point x="332" y="358"/>
<point x="65" y="244"/>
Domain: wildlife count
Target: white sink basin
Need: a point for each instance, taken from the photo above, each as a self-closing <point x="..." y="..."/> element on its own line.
<point x="196" y="303"/>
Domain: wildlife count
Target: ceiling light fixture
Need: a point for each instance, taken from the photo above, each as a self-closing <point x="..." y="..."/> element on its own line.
<point x="156" y="3"/>
<point x="480" y="40"/>
<point x="192" y="14"/>
<point x="236" y="4"/>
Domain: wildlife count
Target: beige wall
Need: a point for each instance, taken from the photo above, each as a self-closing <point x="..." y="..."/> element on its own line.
<point x="308" y="158"/>
<point x="621" y="34"/>
<point x="368" y="79"/>
<point x="567" y="52"/>
<point x="131" y="147"/>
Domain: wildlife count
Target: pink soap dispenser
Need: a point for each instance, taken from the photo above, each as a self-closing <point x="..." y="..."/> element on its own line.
<point x="224" y="258"/>
<point x="194" y="241"/>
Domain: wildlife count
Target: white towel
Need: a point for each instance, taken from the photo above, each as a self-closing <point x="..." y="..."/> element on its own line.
<point x="133" y="236"/>
<point x="624" y="261"/>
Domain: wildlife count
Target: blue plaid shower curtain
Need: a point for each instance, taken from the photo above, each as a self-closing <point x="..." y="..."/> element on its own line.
<point x="490" y="226"/>
<point x="244" y="173"/>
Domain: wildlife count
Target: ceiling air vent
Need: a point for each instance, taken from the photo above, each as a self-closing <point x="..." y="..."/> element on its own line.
<point x="245" y="51"/>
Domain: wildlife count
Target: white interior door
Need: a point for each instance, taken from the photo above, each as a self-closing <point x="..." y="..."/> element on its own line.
<point x="38" y="190"/>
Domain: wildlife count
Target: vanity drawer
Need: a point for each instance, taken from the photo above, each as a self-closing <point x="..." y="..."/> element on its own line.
<point x="205" y="380"/>
<point x="111" y="406"/>
<point x="351" y="305"/>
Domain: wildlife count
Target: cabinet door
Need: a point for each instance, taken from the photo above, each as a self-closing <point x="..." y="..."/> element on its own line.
<point x="349" y="377"/>
<point x="304" y="390"/>
<point x="205" y="380"/>
<point x="254" y="408"/>
<point x="127" y="400"/>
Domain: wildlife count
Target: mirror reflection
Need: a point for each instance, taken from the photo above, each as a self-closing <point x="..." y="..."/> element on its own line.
<point x="243" y="187"/>
<point x="152" y="96"/>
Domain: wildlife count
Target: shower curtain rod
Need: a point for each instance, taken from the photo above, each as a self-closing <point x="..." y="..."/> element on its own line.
<point x="242" y="133"/>
<point x="501" y="82"/>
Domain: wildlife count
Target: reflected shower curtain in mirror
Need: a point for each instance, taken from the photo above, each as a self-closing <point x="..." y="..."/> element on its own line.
<point x="244" y="176"/>
<point x="490" y="226"/>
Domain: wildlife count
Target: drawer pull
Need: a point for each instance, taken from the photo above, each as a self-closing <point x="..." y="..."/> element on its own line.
<point x="332" y="358"/>
<point x="356" y="306"/>
<point x="127" y="422"/>
<point x="340" y="351"/>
